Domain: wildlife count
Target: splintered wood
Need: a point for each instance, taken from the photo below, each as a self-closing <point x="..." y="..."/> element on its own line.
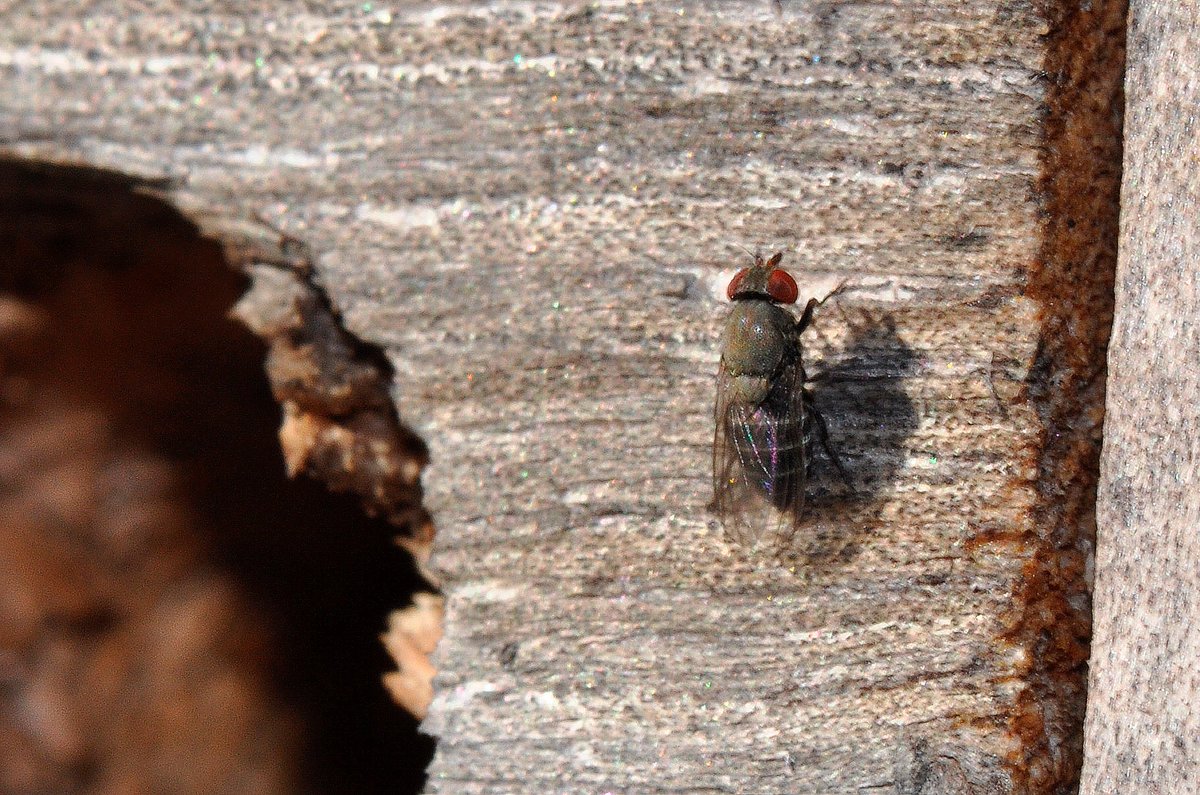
<point x="535" y="209"/>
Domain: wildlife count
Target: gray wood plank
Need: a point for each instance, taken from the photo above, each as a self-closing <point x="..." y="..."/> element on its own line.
<point x="534" y="209"/>
<point x="1142" y="723"/>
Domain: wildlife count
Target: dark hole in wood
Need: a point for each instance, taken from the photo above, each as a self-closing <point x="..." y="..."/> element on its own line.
<point x="183" y="617"/>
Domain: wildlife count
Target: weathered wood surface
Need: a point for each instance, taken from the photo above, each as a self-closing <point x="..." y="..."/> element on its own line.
<point x="1143" y="728"/>
<point x="532" y="208"/>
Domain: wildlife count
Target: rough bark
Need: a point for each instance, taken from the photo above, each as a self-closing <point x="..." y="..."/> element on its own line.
<point x="1142" y="725"/>
<point x="532" y="210"/>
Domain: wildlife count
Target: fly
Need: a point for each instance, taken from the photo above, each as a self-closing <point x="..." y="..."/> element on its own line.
<point x="765" y="417"/>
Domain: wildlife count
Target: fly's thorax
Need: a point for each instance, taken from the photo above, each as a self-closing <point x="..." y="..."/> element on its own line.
<point x="749" y="390"/>
<point x="758" y="336"/>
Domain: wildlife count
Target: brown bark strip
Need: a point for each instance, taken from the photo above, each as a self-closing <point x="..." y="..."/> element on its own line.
<point x="1073" y="281"/>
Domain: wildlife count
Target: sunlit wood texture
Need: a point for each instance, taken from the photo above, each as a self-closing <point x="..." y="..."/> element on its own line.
<point x="1143" y="727"/>
<point x="534" y="208"/>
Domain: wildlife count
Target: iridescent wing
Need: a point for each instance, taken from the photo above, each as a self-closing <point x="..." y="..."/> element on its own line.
<point x="759" y="459"/>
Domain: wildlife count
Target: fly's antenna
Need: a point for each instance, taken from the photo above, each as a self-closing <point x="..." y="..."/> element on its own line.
<point x="754" y="255"/>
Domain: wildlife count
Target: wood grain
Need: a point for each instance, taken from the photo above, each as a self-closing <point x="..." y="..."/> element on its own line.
<point x="534" y="209"/>
<point x="1142" y="725"/>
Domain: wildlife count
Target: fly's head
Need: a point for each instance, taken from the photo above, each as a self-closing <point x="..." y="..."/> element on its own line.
<point x="764" y="281"/>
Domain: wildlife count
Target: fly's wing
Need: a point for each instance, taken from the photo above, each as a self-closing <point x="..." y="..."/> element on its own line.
<point x="759" y="460"/>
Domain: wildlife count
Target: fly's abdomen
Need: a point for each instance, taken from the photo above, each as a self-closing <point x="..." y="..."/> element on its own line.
<point x="770" y="447"/>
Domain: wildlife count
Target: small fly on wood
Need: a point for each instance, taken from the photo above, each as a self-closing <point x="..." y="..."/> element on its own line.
<point x="765" y="417"/>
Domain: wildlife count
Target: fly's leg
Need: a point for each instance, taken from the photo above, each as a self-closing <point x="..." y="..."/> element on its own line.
<point x="810" y="410"/>
<point x="813" y="303"/>
<point x="806" y="317"/>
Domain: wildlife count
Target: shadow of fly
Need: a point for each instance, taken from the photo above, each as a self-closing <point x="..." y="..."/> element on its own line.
<point x="766" y="421"/>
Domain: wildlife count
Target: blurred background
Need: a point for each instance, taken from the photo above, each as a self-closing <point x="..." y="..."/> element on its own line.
<point x="175" y="614"/>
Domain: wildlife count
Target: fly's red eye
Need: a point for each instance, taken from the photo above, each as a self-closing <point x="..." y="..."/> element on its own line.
<point x="736" y="282"/>
<point x="781" y="287"/>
